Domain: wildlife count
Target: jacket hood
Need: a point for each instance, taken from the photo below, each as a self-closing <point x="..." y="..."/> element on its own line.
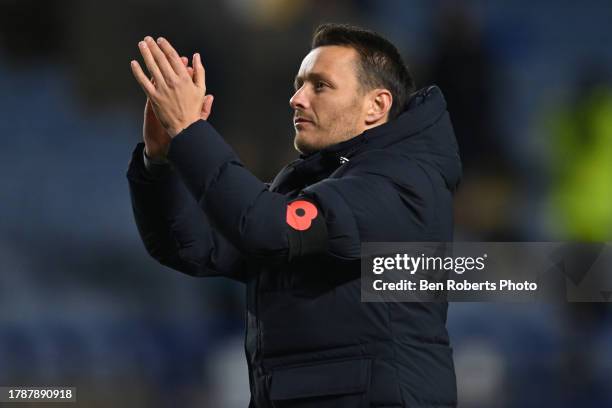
<point x="422" y="132"/>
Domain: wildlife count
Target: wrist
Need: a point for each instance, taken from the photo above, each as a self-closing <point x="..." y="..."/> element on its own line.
<point x="173" y="131"/>
<point x="156" y="156"/>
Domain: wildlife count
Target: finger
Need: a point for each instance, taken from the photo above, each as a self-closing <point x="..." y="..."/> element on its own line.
<point x="150" y="63"/>
<point x="189" y="69"/>
<point x="162" y="61"/>
<point x="199" y="76"/>
<point x="173" y="58"/>
<point x="142" y="79"/>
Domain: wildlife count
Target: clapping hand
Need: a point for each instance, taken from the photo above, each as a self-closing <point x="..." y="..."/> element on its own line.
<point x="176" y="93"/>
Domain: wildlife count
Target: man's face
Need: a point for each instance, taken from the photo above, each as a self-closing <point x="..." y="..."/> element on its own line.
<point x="328" y="101"/>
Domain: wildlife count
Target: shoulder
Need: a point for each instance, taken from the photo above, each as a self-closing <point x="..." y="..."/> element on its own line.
<point x="386" y="196"/>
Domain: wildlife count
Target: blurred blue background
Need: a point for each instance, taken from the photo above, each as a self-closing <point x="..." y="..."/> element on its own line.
<point x="529" y="88"/>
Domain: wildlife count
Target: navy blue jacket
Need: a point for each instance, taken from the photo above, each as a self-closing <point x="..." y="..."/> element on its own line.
<point x="296" y="245"/>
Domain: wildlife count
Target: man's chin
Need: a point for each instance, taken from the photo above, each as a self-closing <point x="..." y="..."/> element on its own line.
<point x="302" y="145"/>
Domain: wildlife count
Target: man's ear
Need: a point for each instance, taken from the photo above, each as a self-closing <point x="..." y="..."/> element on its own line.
<point x="378" y="105"/>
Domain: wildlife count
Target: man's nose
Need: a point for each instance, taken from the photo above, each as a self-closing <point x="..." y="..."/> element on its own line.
<point x="299" y="100"/>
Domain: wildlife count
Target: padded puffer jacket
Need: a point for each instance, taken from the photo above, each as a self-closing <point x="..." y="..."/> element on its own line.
<point x="295" y="243"/>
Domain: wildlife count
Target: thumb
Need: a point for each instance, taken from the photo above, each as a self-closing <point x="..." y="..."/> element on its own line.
<point x="207" y="106"/>
<point x="148" y="108"/>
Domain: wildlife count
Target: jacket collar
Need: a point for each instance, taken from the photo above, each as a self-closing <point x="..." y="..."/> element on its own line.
<point x="417" y="116"/>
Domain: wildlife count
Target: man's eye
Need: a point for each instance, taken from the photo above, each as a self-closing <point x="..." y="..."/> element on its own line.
<point x="320" y="85"/>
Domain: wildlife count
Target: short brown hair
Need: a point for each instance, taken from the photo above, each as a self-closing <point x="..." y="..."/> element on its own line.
<point x="380" y="63"/>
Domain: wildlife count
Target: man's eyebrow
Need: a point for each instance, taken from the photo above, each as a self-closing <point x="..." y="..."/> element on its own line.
<point x="312" y="76"/>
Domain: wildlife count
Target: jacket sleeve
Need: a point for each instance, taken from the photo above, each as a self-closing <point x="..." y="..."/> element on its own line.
<point x="262" y="224"/>
<point x="174" y="229"/>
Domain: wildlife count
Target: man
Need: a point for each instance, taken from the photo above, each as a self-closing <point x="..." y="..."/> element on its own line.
<point x="377" y="164"/>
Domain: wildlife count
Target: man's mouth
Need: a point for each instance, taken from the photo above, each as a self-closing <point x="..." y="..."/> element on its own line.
<point x="301" y="121"/>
